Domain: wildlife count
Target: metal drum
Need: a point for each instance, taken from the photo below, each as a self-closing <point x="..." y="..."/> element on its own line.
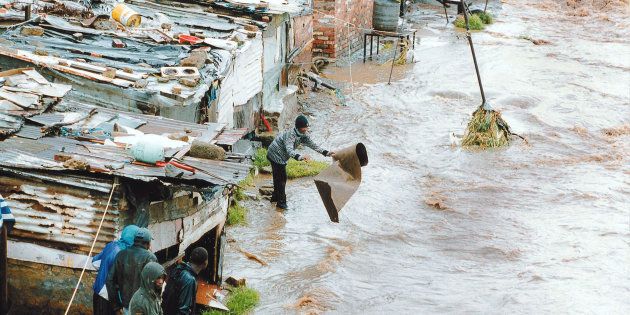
<point x="385" y="17"/>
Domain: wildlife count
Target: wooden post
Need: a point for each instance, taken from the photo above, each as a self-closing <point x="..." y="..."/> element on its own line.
<point x="4" y="292"/>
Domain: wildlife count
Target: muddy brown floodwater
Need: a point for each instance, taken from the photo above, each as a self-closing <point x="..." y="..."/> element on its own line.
<point x="538" y="228"/>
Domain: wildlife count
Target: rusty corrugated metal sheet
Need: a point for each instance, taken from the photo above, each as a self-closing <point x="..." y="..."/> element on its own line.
<point x="62" y="217"/>
<point x="221" y="171"/>
<point x="231" y="136"/>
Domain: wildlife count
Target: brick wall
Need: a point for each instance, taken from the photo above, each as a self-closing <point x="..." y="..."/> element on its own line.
<point x="331" y="36"/>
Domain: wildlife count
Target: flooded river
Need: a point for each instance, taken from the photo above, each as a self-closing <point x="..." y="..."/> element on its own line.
<point x="534" y="228"/>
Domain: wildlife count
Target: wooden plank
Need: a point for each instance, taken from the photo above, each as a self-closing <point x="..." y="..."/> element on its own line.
<point x="99" y="70"/>
<point x="46" y="255"/>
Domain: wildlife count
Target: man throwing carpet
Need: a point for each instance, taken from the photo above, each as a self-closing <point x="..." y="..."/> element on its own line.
<point x="282" y="149"/>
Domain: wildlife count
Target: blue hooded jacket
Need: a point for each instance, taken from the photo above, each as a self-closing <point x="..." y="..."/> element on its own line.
<point x="106" y="258"/>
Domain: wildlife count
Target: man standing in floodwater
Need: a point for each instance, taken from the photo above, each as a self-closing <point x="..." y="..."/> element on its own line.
<point x="282" y="149"/>
<point x="181" y="289"/>
<point x="124" y="278"/>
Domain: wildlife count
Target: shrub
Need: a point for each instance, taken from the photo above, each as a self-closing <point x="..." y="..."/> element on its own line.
<point x="297" y="169"/>
<point x="237" y="214"/>
<point x="241" y="300"/>
<point x="474" y="22"/>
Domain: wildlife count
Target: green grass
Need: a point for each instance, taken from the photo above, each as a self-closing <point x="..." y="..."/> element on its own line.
<point x="239" y="192"/>
<point x="237" y="214"/>
<point x="297" y="169"/>
<point x="486" y="17"/>
<point x="474" y="22"/>
<point x="239" y="301"/>
<point x="260" y="158"/>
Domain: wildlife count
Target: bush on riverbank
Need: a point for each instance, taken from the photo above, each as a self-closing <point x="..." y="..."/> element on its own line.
<point x="237" y="214"/>
<point x="476" y="21"/>
<point x="297" y="169"/>
<point x="241" y="300"/>
<point x="260" y="158"/>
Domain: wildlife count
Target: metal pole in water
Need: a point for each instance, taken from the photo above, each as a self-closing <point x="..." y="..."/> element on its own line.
<point x="472" y="50"/>
<point x="389" y="81"/>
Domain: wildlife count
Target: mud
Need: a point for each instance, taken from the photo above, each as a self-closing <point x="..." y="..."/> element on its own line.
<point x="531" y="228"/>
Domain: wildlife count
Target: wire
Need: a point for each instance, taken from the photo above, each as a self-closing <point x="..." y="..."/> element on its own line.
<point x="98" y="231"/>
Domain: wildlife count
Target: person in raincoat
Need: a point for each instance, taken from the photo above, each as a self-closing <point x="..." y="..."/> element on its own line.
<point x="282" y="149"/>
<point x="181" y="289"/>
<point x="124" y="278"/>
<point x="103" y="262"/>
<point x="147" y="300"/>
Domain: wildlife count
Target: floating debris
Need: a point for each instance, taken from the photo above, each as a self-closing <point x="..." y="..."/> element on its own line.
<point x="486" y="129"/>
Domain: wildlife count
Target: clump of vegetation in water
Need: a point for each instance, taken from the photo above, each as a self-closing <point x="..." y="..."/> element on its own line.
<point x="486" y="129"/>
<point x="485" y="17"/>
<point x="474" y="22"/>
<point x="260" y="158"/>
<point x="297" y="169"/>
<point x="240" y="301"/>
<point x="237" y="214"/>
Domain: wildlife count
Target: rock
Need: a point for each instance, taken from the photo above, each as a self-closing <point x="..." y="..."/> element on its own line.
<point x="251" y="195"/>
<point x="265" y="191"/>
<point x="109" y="73"/>
<point x="127" y="70"/>
<point x="32" y="31"/>
<point x="236" y="282"/>
<point x="266" y="170"/>
<point x="204" y="150"/>
<point x="163" y="79"/>
<point x="78" y="36"/>
<point x="176" y="90"/>
<point x="251" y="28"/>
<point x="166" y="26"/>
<point x="40" y="52"/>
<point x="63" y="63"/>
<point x="145" y="65"/>
<point x="196" y="59"/>
<point x="117" y="43"/>
<point x="189" y="82"/>
<point x="140" y="84"/>
<point x="76" y="164"/>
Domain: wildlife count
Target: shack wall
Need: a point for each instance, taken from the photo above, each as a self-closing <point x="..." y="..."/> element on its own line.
<point x="331" y="36"/>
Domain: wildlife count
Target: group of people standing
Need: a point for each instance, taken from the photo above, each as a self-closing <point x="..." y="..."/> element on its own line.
<point x="130" y="281"/>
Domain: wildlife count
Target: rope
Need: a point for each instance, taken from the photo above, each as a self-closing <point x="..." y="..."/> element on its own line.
<point x="98" y="231"/>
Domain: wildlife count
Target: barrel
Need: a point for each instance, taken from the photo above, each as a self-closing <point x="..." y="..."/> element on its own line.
<point x="126" y="16"/>
<point x="385" y="17"/>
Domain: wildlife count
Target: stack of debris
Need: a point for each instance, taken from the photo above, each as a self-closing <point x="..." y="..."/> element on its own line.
<point x="24" y="93"/>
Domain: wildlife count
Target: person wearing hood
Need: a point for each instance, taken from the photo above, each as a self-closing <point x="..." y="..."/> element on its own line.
<point x="147" y="300"/>
<point x="282" y="149"/>
<point x="181" y="289"/>
<point x="124" y="277"/>
<point x="103" y="262"/>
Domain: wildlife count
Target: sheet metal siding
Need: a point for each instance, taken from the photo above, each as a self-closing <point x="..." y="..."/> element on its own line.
<point x="242" y="82"/>
<point x="58" y="216"/>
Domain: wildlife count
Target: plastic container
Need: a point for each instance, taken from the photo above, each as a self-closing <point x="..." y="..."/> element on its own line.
<point x="147" y="150"/>
<point x="126" y="16"/>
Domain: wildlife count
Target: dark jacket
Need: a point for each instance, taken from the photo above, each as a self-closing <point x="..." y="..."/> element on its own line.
<point x="124" y="277"/>
<point x="181" y="291"/>
<point x="285" y="144"/>
<point x="147" y="300"/>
